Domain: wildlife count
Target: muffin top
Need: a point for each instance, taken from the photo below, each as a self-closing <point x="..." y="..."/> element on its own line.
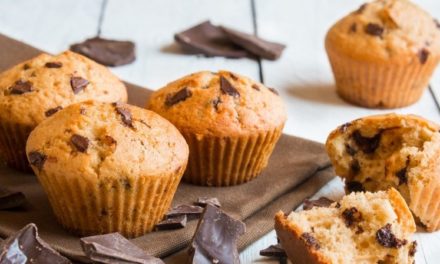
<point x="219" y="104"/>
<point x="105" y="140"/>
<point x="386" y="30"/>
<point x="35" y="89"/>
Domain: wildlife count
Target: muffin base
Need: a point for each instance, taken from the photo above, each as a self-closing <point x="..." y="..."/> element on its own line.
<point x="13" y="139"/>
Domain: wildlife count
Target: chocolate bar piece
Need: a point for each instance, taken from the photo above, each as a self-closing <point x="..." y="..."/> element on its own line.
<point x="203" y="201"/>
<point x="172" y="223"/>
<point x="320" y="202"/>
<point x="10" y="199"/>
<point x="275" y="251"/>
<point x="191" y="211"/>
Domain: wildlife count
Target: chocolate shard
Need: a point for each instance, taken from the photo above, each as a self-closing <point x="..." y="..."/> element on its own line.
<point x="320" y="202"/>
<point x="106" y="51"/>
<point x="215" y="239"/>
<point x="227" y="88"/>
<point x="351" y="216"/>
<point x="255" y="87"/>
<point x="374" y="29"/>
<point x="386" y="238"/>
<point x="21" y="87"/>
<point x="423" y="55"/>
<point x="37" y="159"/>
<point x="273" y="90"/>
<point x="310" y="241"/>
<point x="78" y="84"/>
<point x="178" y="97"/>
<point x="413" y="249"/>
<point x="255" y="45"/>
<point x="80" y="143"/>
<point x="437" y="23"/>
<point x="54" y="64"/>
<point x="26" y="246"/>
<point x="367" y="144"/>
<point x="114" y="248"/>
<point x="191" y="211"/>
<point x="354" y="186"/>
<point x="209" y="40"/>
<point x="10" y="199"/>
<point x="172" y="223"/>
<point x="52" y="111"/>
<point x="274" y="251"/>
<point x="125" y="114"/>
<point x="216" y="103"/>
<point x="203" y="201"/>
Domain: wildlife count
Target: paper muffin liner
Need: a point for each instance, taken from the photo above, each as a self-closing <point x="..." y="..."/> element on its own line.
<point x="131" y="206"/>
<point x="380" y="85"/>
<point x="13" y="139"/>
<point x="227" y="161"/>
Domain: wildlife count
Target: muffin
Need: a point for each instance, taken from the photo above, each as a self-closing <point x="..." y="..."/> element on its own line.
<point x="384" y="54"/>
<point x="383" y="151"/>
<point x="361" y="228"/>
<point x="34" y="90"/>
<point x="108" y="167"/>
<point x="230" y="122"/>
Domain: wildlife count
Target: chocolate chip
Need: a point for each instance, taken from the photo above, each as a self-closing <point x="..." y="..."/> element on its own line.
<point x="413" y="249"/>
<point x="125" y="114"/>
<point x="437" y="23"/>
<point x="386" y="238"/>
<point x="423" y="55"/>
<point x="26" y="67"/>
<point x="37" y="159"/>
<point x="273" y="91"/>
<point x="353" y="28"/>
<point x="203" y="201"/>
<point x="359" y="230"/>
<point x="274" y="251"/>
<point x="351" y="216"/>
<point x="350" y="150"/>
<point x="78" y="84"/>
<point x="255" y="87"/>
<point x="355" y="167"/>
<point x="54" y="64"/>
<point x="354" y="186"/>
<point x="320" y="202"/>
<point x="310" y="241"/>
<point x="21" y="87"/>
<point x="178" y="97"/>
<point x="11" y="199"/>
<point x="367" y="144"/>
<point x="227" y="88"/>
<point x="82" y="111"/>
<point x="374" y="29"/>
<point x="402" y="175"/>
<point x="80" y="143"/>
<point x="216" y="102"/>
<point x="172" y="223"/>
<point x="343" y="128"/>
<point x="52" y="111"/>
<point x="191" y="211"/>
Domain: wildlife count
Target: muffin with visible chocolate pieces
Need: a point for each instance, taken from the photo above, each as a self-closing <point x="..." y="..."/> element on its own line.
<point x="361" y="228"/>
<point x="34" y="90"/>
<point x="108" y="167"/>
<point x="231" y="124"/>
<point x="384" y="53"/>
<point x="401" y="151"/>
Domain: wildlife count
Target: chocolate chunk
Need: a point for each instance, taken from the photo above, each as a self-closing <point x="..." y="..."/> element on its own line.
<point x="209" y="40"/>
<point x="354" y="186"/>
<point x="114" y="248"/>
<point x="215" y="238"/>
<point x="413" y="249"/>
<point x="437" y="23"/>
<point x="227" y="88"/>
<point x="351" y="216"/>
<point x="374" y="29"/>
<point x="52" y="111"/>
<point x="178" y="97"/>
<point x="386" y="238"/>
<point x="10" y="199"/>
<point x="350" y="150"/>
<point x="172" y="223"/>
<point x="54" y="64"/>
<point x="26" y="246"/>
<point x="423" y="55"/>
<point x="21" y="87"/>
<point x="367" y="144"/>
<point x="355" y="167"/>
<point x="353" y="28"/>
<point x="106" y="51"/>
<point x="81" y="143"/>
<point x="78" y="84"/>
<point x="310" y="241"/>
<point x="125" y="114"/>
<point x="216" y="102"/>
<point x="359" y="230"/>
<point x="82" y="111"/>
<point x="320" y="202"/>
<point x="344" y="127"/>
<point x="275" y="251"/>
<point x="273" y="91"/>
<point x="255" y="45"/>
<point x="255" y="87"/>
<point x="26" y="67"/>
<point x="37" y="159"/>
<point x="402" y="175"/>
<point x="203" y="201"/>
<point x="191" y="211"/>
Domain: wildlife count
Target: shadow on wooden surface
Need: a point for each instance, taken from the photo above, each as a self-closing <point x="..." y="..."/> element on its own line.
<point x="319" y="93"/>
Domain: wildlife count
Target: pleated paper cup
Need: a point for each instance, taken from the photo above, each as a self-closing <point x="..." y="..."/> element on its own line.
<point x="228" y="161"/>
<point x="13" y="137"/>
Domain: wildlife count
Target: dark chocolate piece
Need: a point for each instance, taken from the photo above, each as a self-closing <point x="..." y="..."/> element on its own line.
<point x="178" y="97"/>
<point x="216" y="102"/>
<point x="52" y="111"/>
<point x="413" y="249"/>
<point x="310" y="241"/>
<point x="320" y="202"/>
<point x="343" y="128"/>
<point x="21" y="87"/>
<point x="274" y="251"/>
<point x="78" y="84"/>
<point x="350" y="150"/>
<point x="26" y="246"/>
<point x="10" y="199"/>
<point x="402" y="175"/>
<point x="203" y="201"/>
<point x="190" y="211"/>
<point x="26" y="67"/>
<point x="354" y="186"/>
<point x="37" y="159"/>
<point x="273" y="90"/>
<point x="386" y="238"/>
<point x="367" y="144"/>
<point x="255" y="87"/>
<point x="54" y="64"/>
<point x="355" y="167"/>
<point x="80" y="143"/>
<point x="172" y="223"/>
<point x="437" y="23"/>
<point x="114" y="248"/>
<point x="374" y="29"/>
<point x="227" y="88"/>
<point x="423" y="55"/>
<point x="351" y="216"/>
<point x="359" y="230"/>
<point x="260" y="47"/>
<point x="215" y="238"/>
<point x="125" y="114"/>
<point x="106" y="51"/>
<point x="209" y="40"/>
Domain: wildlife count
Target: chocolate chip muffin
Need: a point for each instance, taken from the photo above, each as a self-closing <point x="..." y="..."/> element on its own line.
<point x="34" y="90"/>
<point x="384" y="53"/>
<point x="400" y="151"/>
<point x="108" y="167"/>
<point x="230" y="122"/>
<point x="361" y="228"/>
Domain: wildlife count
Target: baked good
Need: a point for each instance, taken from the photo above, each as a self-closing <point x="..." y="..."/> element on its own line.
<point x="108" y="167"/>
<point x="384" y="53"/>
<point x="35" y="89"/>
<point x="230" y="122"/>
<point x="361" y="228"/>
<point x="401" y="151"/>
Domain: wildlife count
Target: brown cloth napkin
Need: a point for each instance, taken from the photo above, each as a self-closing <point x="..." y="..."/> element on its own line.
<point x="297" y="169"/>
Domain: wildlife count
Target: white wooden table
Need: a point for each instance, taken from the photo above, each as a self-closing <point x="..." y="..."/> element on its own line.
<point x="302" y="75"/>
